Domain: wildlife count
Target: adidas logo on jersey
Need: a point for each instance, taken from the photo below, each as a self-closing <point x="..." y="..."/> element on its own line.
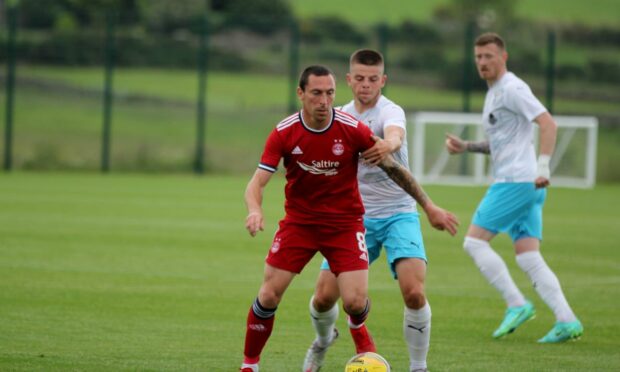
<point x="297" y="151"/>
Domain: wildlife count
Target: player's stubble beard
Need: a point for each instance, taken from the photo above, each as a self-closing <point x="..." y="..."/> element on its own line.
<point x="368" y="100"/>
<point x="321" y="116"/>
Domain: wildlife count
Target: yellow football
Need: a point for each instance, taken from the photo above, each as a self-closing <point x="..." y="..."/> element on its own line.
<point x="367" y="362"/>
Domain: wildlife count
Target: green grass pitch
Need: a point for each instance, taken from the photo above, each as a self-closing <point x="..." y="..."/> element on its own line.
<point x="135" y="272"/>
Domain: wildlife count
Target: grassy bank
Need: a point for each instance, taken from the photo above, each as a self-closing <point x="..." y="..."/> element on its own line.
<point x="58" y="118"/>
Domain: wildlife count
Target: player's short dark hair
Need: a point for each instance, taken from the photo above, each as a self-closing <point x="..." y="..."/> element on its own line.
<point x="490" y="38"/>
<point x="366" y="57"/>
<point x="316" y="70"/>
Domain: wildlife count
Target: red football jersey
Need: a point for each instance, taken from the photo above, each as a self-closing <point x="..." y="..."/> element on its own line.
<point x="321" y="167"/>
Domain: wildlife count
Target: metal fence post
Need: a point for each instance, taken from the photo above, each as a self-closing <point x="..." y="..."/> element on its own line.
<point x="467" y="83"/>
<point x="467" y="65"/>
<point x="383" y="48"/>
<point x="293" y="65"/>
<point x="110" y="52"/>
<point x="10" y="83"/>
<point x="201" y="115"/>
<point x="550" y="69"/>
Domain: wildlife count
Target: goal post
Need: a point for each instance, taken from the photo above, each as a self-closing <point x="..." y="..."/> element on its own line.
<point x="573" y="163"/>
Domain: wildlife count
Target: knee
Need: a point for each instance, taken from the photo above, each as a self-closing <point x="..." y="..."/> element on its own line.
<point x="472" y="244"/>
<point x="269" y="298"/>
<point x="355" y="305"/>
<point x="415" y="298"/>
<point x="325" y="296"/>
<point x="322" y="302"/>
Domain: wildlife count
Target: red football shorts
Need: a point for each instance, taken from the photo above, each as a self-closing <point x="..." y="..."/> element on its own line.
<point x="294" y="245"/>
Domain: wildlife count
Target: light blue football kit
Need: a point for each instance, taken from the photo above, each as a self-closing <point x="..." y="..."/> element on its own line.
<point x="512" y="204"/>
<point x="391" y="219"/>
<point x="513" y="208"/>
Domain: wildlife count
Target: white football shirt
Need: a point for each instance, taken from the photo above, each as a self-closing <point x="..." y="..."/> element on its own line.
<point x="509" y="110"/>
<point x="382" y="197"/>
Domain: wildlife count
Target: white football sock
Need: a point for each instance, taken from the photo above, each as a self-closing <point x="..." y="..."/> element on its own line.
<point x="254" y="367"/>
<point x="546" y="284"/>
<point x="417" y="330"/>
<point x="354" y="326"/>
<point x="494" y="270"/>
<point x="323" y="323"/>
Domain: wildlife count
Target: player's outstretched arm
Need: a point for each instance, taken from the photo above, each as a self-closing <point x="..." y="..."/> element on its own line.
<point x="438" y="217"/>
<point x="456" y="145"/>
<point x="254" y="201"/>
<point x="392" y="141"/>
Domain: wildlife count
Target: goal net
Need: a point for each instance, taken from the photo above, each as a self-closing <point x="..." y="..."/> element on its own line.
<point x="573" y="163"/>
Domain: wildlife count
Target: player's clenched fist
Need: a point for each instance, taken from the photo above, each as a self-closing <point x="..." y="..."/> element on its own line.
<point x="254" y="223"/>
<point x="454" y="144"/>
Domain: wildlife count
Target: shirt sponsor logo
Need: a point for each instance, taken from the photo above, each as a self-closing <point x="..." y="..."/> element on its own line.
<point x="497" y="96"/>
<point x="321" y="167"/>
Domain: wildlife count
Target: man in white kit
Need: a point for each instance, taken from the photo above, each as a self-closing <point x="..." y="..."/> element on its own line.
<point x="390" y="220"/>
<point x="513" y="203"/>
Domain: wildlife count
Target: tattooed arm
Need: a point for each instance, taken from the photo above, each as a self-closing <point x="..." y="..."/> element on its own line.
<point x="456" y="145"/>
<point x="403" y="178"/>
<point x="438" y="217"/>
<point x="482" y="146"/>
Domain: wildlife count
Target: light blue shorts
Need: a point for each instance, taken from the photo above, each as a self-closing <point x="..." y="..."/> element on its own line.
<point x="513" y="208"/>
<point x="400" y="234"/>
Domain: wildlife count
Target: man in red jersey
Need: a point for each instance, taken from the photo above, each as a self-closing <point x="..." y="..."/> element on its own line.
<point x="320" y="149"/>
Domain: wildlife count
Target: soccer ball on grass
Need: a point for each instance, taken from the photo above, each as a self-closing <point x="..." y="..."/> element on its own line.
<point x="367" y="362"/>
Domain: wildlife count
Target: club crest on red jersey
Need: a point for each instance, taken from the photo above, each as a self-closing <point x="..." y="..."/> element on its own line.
<point x="275" y="247"/>
<point x="338" y="147"/>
